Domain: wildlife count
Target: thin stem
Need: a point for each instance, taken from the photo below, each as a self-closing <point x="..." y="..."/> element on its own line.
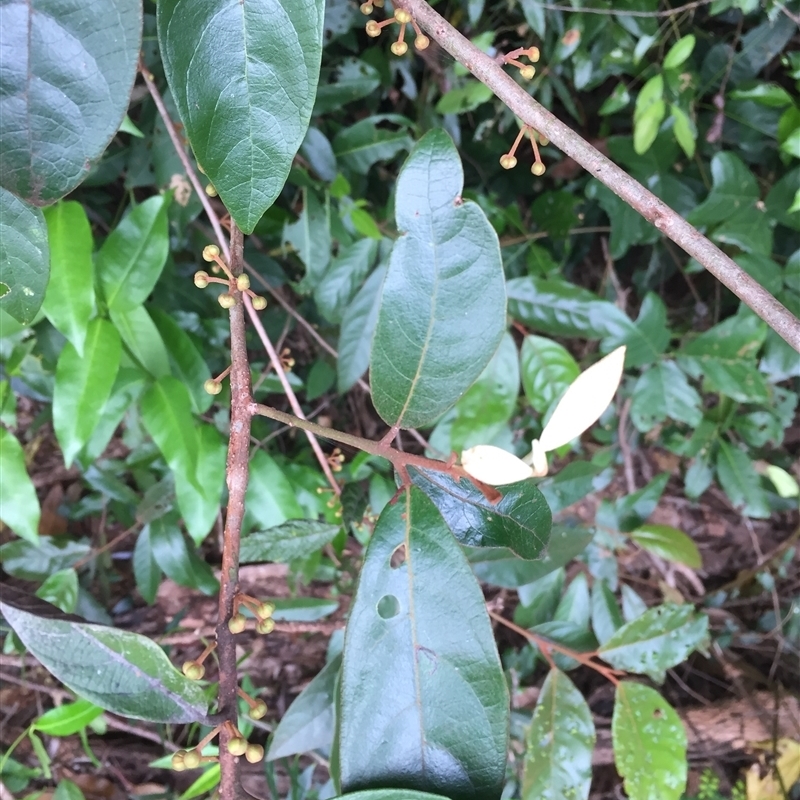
<point x="236" y="476"/>
<point x="655" y="211"/>
<point x="621" y="12"/>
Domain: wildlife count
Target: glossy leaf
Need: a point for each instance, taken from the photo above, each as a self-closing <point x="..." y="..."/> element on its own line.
<point x="658" y="640"/>
<point x="445" y="273"/>
<point x="520" y="520"/>
<point x="141" y="337"/>
<point x="69" y="299"/>
<point x="309" y="722"/>
<point x="271" y="499"/>
<point x="663" y="392"/>
<point x="180" y="562"/>
<point x="343" y="277"/>
<point x="244" y="78"/>
<point x="560" y="741"/>
<point x="741" y="482"/>
<point x="429" y="708"/>
<point x="649" y="743"/>
<point x="547" y="370"/>
<point x="117" y="670"/>
<point x="131" y="259"/>
<point x="67" y="719"/>
<point x="19" y="505"/>
<point x="83" y="385"/>
<point x="24" y="258"/>
<point x="298" y="538"/>
<point x="58" y="116"/>
<point x="669" y="543"/>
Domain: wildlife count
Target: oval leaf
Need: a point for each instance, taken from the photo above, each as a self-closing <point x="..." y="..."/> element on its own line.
<point x="547" y="370"/>
<point x="558" y="758"/>
<point x="244" y="77"/>
<point x="67" y="72"/>
<point x="428" y="710"/>
<point x="298" y="538"/>
<point x="19" y="506"/>
<point x="443" y="303"/>
<point x="68" y="718"/>
<point x="117" y="670"/>
<point x="24" y="258"/>
<point x="649" y="743"/>
<point x="669" y="543"/>
<point x="83" y="385"/>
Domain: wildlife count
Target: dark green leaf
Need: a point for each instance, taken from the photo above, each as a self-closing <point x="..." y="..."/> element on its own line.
<point x="311" y="237"/>
<point x="649" y="743"/>
<point x="244" y="77"/>
<point x="24" y="258"/>
<point x="69" y="299"/>
<point x="351" y="80"/>
<point x="390" y="794"/>
<point x="664" y="392"/>
<point x="741" y="482"/>
<point x="317" y="150"/>
<point x="547" y="370"/>
<point x="58" y="116"/>
<point x="83" y="385"/>
<point x="117" y="670"/>
<point x="141" y="337"/>
<point x="569" y="634"/>
<point x="575" y="605"/>
<point x="606" y="616"/>
<point x="145" y="566"/>
<point x="443" y="305"/>
<point x="734" y="190"/>
<point x="343" y="278"/>
<point x="633" y="509"/>
<point x="628" y="227"/>
<point x="669" y="543"/>
<point x="180" y="562"/>
<point x="560" y="741"/>
<point x="131" y="259"/>
<point x="67" y="719"/>
<point x="658" y="640"/>
<point x="297" y="538"/>
<point x="309" y="722"/>
<point x="520" y="520"/>
<point x="539" y="599"/>
<point x="19" y="505"/>
<point x="371" y="140"/>
<point x="573" y="483"/>
<point x="433" y="676"/>
<point x="35" y="562"/>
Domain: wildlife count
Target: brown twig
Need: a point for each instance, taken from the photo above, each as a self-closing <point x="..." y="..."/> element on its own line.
<point x="655" y="211"/>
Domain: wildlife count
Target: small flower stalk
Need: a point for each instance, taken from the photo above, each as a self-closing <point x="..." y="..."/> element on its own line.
<point x="402" y="18"/>
<point x="262" y="611"/>
<point x="527" y="71"/>
<point x="509" y="160"/>
<point x="236" y="285"/>
<point x="194" y="670"/>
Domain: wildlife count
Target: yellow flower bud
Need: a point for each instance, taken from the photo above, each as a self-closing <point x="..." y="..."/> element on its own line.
<point x="259" y="303"/>
<point x="226" y="300"/>
<point x="243" y="283"/>
<point x="210" y="251"/>
<point x="254" y="753"/>
<point x="201" y="279"/>
<point x="237" y="746"/>
<point x="399" y="48"/>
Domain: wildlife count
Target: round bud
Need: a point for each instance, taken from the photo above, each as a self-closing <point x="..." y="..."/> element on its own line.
<point x="259" y="710"/>
<point x="259" y="303"/>
<point x="193" y="671"/>
<point x="399" y="48"/>
<point x="367" y="8"/>
<point x="533" y="54"/>
<point x="210" y="190"/>
<point x="201" y="279"/>
<point x="527" y="72"/>
<point x="237" y="623"/>
<point x="507" y="161"/>
<point x="538" y="168"/>
<point x="192" y="759"/>
<point x="265" y="610"/>
<point x="373" y="29"/>
<point x="226" y="300"/>
<point x="212" y="387"/>
<point x="178" y="763"/>
<point x="265" y="626"/>
<point x="254" y="753"/>
<point x="237" y="746"/>
<point x="243" y="283"/>
<point x="422" y="42"/>
<point x="543" y="140"/>
<point x="402" y="16"/>
<point x="210" y="251"/>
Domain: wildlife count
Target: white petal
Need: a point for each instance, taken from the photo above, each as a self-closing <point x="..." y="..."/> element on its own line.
<point x="538" y="459"/>
<point x="493" y="465"/>
<point x="584" y="402"/>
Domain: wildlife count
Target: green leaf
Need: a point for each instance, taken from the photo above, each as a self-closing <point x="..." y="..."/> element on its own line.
<point x="519" y="520"/>
<point x="628" y="227"/>
<point x="298" y="538"/>
<point x="166" y="415"/>
<point x="632" y="510"/>
<point x="67" y="790"/>
<point x="180" y="562"/>
<point x="36" y="561"/>
<point x="349" y="81"/>
<point x="741" y="482"/>
<point x="302" y="609"/>
<point x="768" y="94"/>
<point x="464" y="98"/>
<point x="244" y="77"/>
<point x="575" y="605"/>
<point x="67" y="719"/>
<point x="61" y="589"/>
<point x="141" y="337"/>
<point x="445" y="274"/>
<point x="663" y="392"/>
<point x="19" y="505"/>
<point x="131" y="259"/>
<point x="343" y="277"/>
<point x="390" y="794"/>
<point x="606" y="616"/>
<point x="311" y="237"/>
<point x="547" y="370"/>
<point x="573" y="483"/>
<point x="24" y="258"/>
<point x="119" y="671"/>
<point x="69" y="299"/>
<point x="679" y="52"/>
<point x="357" y="328"/>
<point x="669" y="543"/>
<point x="145" y="567"/>
<point x="59" y="116"/>
<point x="734" y="190"/>
<point x="370" y="140"/>
<point x="309" y="722"/>
<point x="433" y="671"/>
<point x="684" y="129"/>
<point x="204" y="784"/>
<point x="83" y="385"/>
<point x="560" y="741"/>
<point x="649" y="743"/>
<point x="646" y="126"/>
<point x="658" y="640"/>
<point x="270" y="498"/>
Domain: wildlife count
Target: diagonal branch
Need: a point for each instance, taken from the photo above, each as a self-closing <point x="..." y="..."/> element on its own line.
<point x="655" y="211"/>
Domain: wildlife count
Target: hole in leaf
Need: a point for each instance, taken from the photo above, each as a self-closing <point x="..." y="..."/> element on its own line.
<point x="658" y="713"/>
<point x="4" y="289"/>
<point x="398" y="557"/>
<point x="388" y="606"/>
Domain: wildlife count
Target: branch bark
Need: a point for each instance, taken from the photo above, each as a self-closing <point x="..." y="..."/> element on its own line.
<point x="671" y="224"/>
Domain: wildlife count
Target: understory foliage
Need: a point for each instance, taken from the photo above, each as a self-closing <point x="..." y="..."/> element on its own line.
<point x="422" y="274"/>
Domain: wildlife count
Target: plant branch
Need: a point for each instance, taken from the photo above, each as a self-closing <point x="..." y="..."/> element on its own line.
<point x="236" y="476"/>
<point x="655" y="211"/>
